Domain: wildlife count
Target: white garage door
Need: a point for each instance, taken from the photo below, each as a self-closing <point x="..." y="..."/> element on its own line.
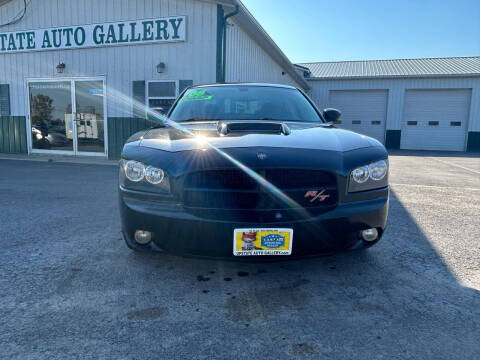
<point x="435" y="119"/>
<point x="363" y="111"/>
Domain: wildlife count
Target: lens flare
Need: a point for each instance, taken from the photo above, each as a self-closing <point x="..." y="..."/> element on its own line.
<point x="119" y="102"/>
<point x="158" y="117"/>
<point x="201" y="140"/>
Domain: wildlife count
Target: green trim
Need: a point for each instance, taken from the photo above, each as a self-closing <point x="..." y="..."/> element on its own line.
<point x="392" y="139"/>
<point x="120" y="129"/>
<point x="219" y="63"/>
<point x="138" y="94"/>
<point x="13" y="134"/>
<point x="473" y="141"/>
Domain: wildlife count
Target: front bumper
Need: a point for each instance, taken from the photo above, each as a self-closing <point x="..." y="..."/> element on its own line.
<point x="178" y="231"/>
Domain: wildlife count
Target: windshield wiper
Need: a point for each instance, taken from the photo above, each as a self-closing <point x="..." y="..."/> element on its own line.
<point x="284" y="120"/>
<point x="163" y="124"/>
<point x="197" y="119"/>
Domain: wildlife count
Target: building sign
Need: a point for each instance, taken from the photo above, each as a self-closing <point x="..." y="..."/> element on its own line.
<point x="169" y="29"/>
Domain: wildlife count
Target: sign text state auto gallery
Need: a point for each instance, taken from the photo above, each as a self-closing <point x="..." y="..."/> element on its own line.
<point x="169" y="29"/>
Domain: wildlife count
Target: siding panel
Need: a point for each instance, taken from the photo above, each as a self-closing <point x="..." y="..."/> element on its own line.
<point x="120" y="129"/>
<point x="396" y="89"/>
<point x="248" y="62"/>
<point x="122" y="64"/>
<point x="13" y="137"/>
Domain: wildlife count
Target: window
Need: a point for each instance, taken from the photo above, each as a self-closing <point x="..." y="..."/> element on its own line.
<point x="414" y="123"/>
<point x="244" y="102"/>
<point x="376" y="122"/>
<point x="356" y="122"/>
<point x="161" y="95"/>
<point x="455" y="123"/>
<point x="433" y="123"/>
<point x="4" y="99"/>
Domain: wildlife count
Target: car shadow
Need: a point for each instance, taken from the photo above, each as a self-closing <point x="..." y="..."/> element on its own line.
<point x="70" y="287"/>
<point x="399" y="297"/>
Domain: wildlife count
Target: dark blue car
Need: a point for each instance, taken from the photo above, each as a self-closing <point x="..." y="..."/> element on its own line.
<point x="240" y="170"/>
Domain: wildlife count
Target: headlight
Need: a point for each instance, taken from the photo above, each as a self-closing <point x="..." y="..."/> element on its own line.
<point x="134" y="171"/>
<point x="378" y="170"/>
<point x="154" y="175"/>
<point x="137" y="176"/>
<point x="369" y="177"/>
<point x="361" y="174"/>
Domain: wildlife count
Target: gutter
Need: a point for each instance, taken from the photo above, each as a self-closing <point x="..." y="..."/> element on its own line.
<point x="224" y="59"/>
<point x="222" y="41"/>
<point x="251" y="26"/>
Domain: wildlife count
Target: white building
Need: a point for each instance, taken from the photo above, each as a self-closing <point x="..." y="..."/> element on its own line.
<point x="419" y="104"/>
<point x="77" y="76"/>
<point x="100" y="58"/>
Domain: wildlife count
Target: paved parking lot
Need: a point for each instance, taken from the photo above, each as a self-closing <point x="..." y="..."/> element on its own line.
<point x="69" y="288"/>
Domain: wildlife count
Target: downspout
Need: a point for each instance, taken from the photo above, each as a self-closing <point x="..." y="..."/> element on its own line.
<point x="224" y="47"/>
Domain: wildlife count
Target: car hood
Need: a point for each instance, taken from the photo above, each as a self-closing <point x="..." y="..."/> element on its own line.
<point x="197" y="136"/>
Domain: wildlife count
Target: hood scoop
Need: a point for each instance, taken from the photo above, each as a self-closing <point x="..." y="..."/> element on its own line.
<point x="252" y="127"/>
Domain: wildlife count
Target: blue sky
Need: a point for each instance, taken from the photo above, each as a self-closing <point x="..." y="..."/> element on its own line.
<point x="335" y="30"/>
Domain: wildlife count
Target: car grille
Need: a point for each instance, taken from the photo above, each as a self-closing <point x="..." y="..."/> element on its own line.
<point x="233" y="189"/>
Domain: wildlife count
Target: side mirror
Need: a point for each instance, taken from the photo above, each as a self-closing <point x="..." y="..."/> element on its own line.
<point x="332" y="115"/>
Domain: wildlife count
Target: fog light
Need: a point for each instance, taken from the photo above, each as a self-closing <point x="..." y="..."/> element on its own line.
<point x="370" y="234"/>
<point x="143" y="237"/>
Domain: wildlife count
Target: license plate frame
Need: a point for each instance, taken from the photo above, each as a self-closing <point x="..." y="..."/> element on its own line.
<point x="262" y="241"/>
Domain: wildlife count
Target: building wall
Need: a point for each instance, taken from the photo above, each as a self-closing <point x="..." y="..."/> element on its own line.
<point x="193" y="59"/>
<point x="396" y="93"/>
<point x="248" y="62"/>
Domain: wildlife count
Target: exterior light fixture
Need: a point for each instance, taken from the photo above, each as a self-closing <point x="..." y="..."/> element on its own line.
<point x="61" y="68"/>
<point x="161" y="67"/>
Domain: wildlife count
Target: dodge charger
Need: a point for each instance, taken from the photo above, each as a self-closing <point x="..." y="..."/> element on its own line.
<point x="236" y="170"/>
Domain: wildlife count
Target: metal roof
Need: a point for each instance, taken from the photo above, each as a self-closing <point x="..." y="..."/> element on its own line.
<point x="428" y="67"/>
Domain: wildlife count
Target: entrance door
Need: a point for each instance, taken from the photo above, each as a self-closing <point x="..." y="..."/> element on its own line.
<point x="89" y="116"/>
<point x="51" y="115"/>
<point x="67" y="116"/>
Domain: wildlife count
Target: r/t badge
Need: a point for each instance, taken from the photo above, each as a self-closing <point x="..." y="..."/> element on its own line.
<point x="316" y="195"/>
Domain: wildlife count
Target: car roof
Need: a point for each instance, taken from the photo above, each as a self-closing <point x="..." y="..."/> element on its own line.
<point x="246" y="84"/>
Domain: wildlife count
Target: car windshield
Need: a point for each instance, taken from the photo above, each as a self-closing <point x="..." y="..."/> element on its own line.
<point x="244" y="103"/>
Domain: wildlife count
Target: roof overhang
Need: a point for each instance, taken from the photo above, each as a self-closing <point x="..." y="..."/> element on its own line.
<point x="251" y="26"/>
<point x="381" y="77"/>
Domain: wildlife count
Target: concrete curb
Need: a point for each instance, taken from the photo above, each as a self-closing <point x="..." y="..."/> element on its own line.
<point x="88" y="160"/>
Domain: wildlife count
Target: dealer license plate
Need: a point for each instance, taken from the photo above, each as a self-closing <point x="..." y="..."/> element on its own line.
<point x="262" y="241"/>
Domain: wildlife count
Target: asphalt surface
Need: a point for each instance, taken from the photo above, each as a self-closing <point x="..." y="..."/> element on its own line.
<point x="70" y="289"/>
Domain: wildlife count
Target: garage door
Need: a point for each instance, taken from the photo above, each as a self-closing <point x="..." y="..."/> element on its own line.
<point x="435" y="119"/>
<point x="363" y="111"/>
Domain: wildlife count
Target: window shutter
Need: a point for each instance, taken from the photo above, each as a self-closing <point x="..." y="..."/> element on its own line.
<point x="183" y="84"/>
<point x="4" y="99"/>
<point x="138" y="95"/>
